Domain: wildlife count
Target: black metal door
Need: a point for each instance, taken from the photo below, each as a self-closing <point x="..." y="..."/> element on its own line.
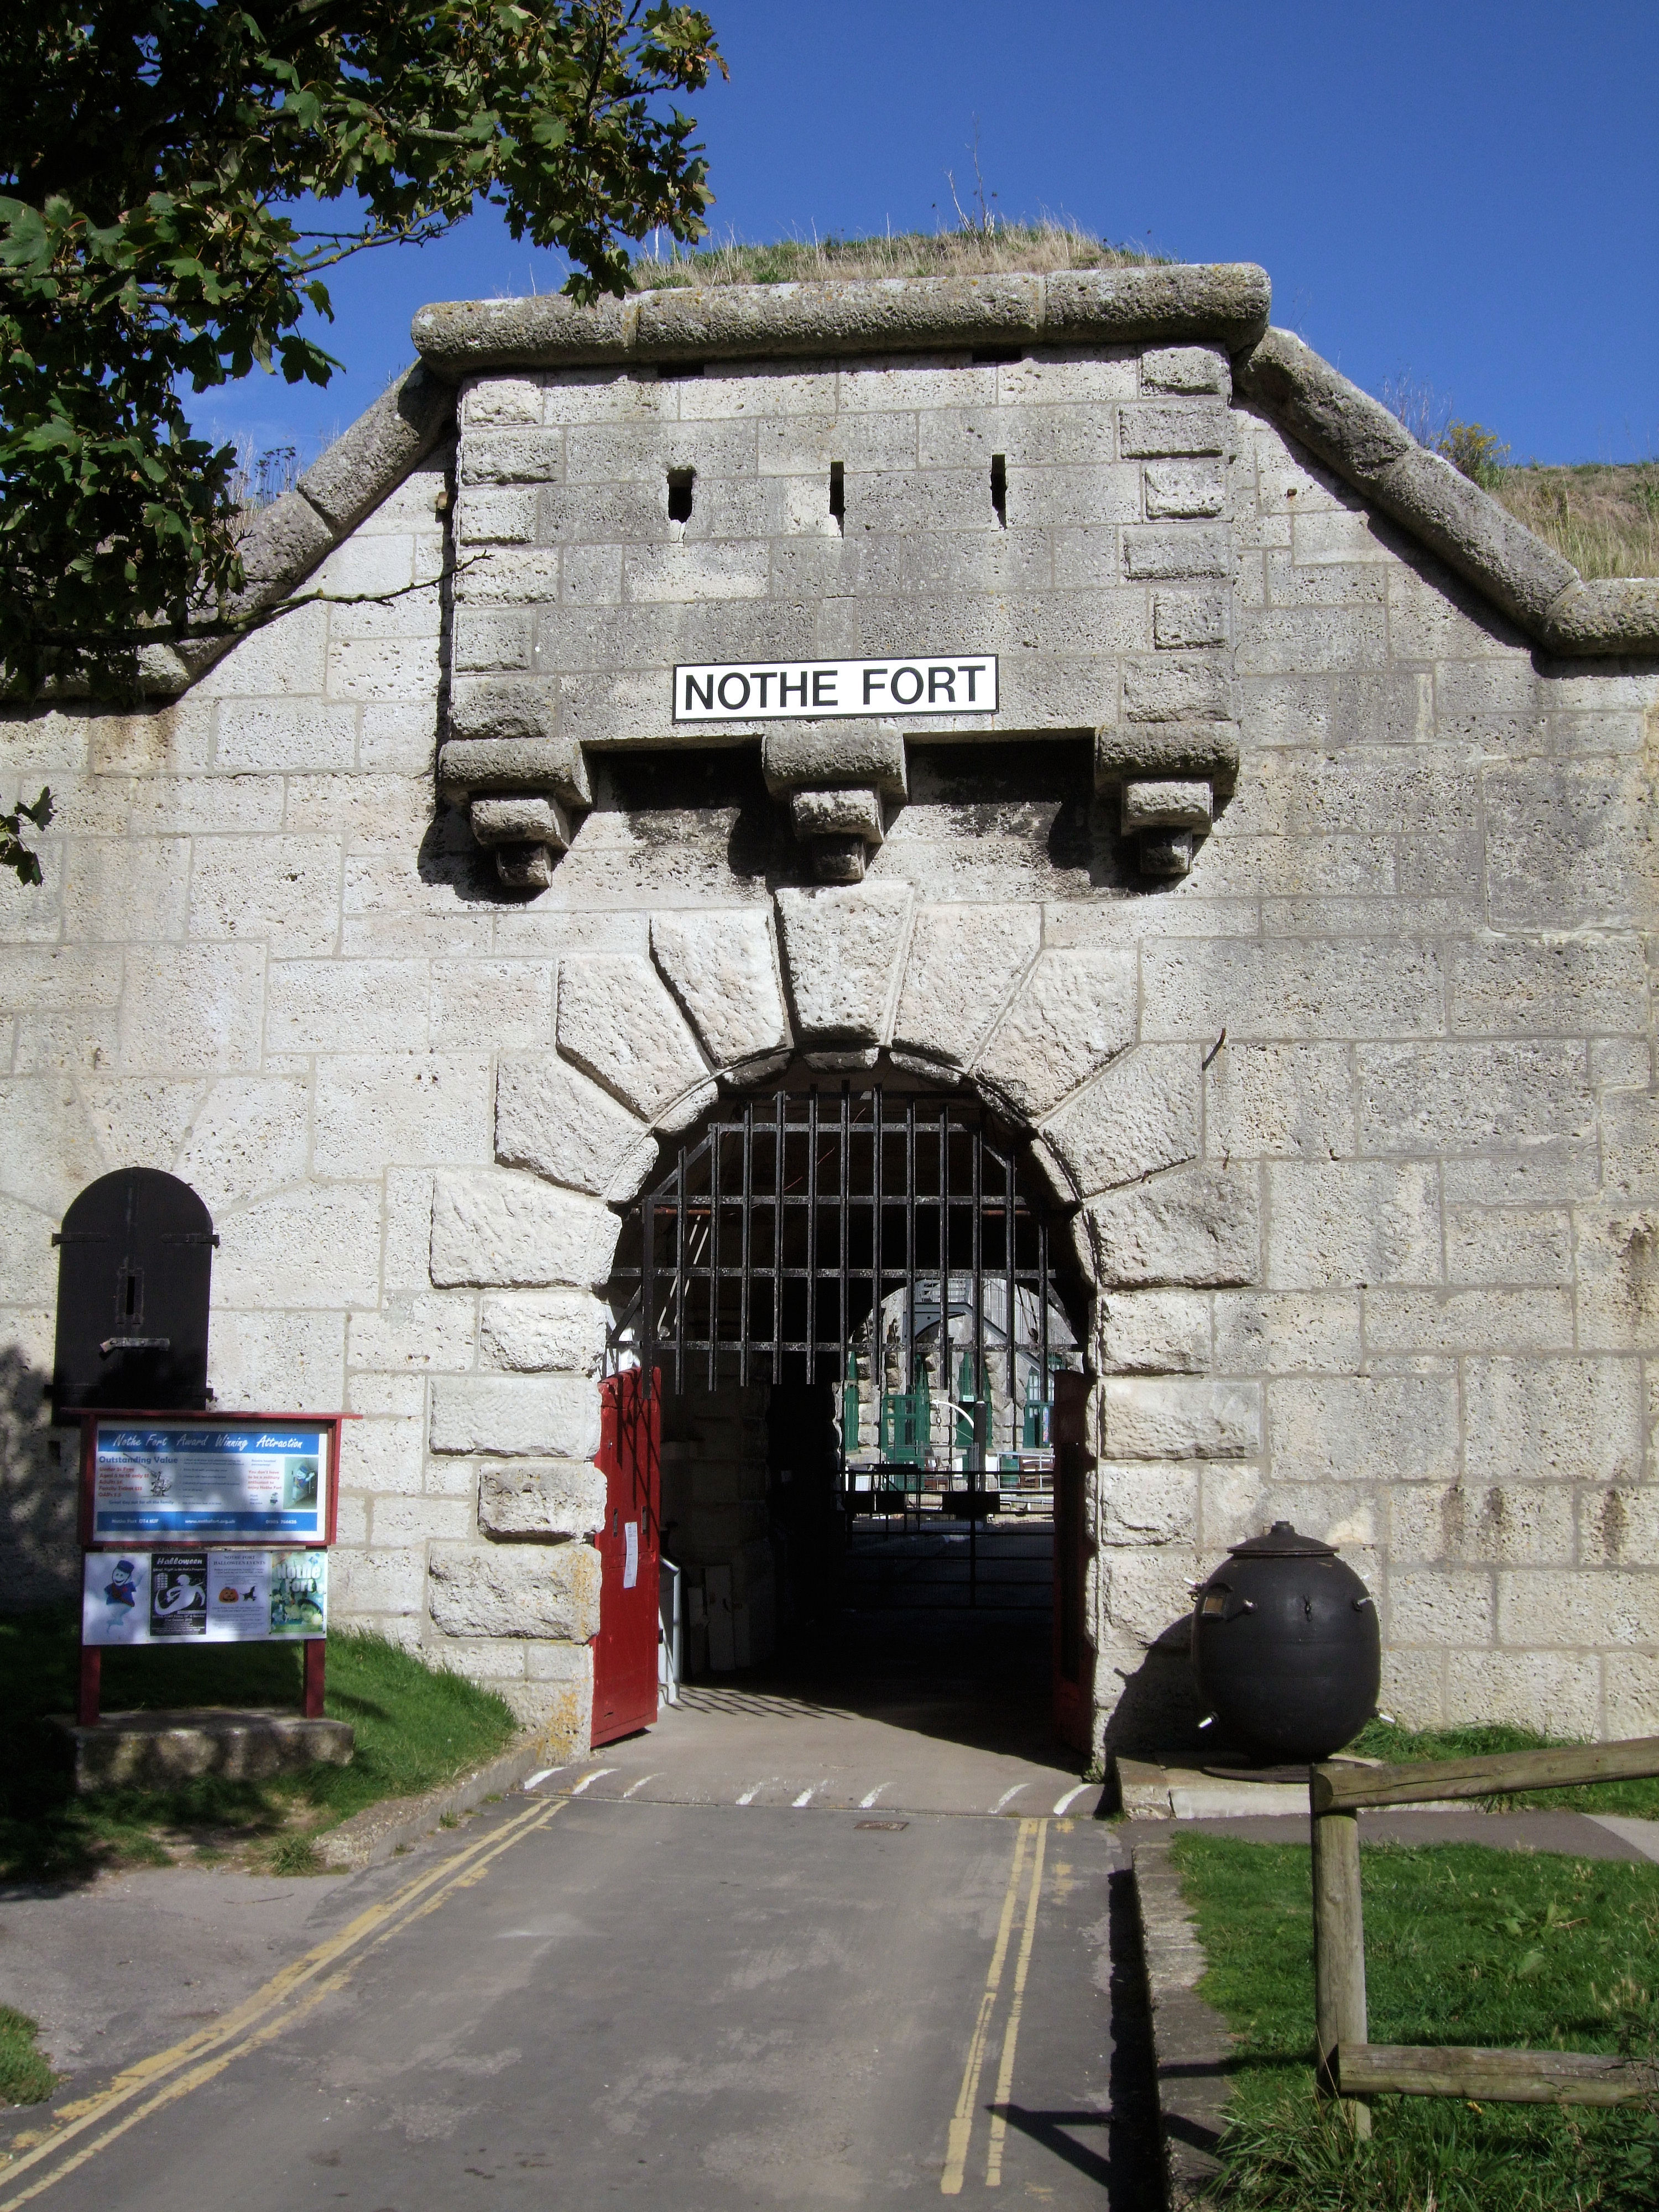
<point x="135" y="1256"/>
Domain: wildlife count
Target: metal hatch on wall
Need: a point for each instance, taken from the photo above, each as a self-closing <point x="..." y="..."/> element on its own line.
<point x="134" y="1271"/>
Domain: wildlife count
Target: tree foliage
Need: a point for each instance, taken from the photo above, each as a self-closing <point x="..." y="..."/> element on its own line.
<point x="175" y="177"/>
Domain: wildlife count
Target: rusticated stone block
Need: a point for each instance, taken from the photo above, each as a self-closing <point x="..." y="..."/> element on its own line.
<point x="516" y="1416"/>
<point x="531" y="1330"/>
<point x="1139" y="1117"/>
<point x="501" y="1230"/>
<point x="1073" y="1012"/>
<point x="552" y="1120"/>
<point x="963" y="961"/>
<point x="540" y="1497"/>
<point x="1181" y="1417"/>
<point x="841" y="949"/>
<point x="543" y="1590"/>
<point x="723" y="969"/>
<point x="617" y="1021"/>
<point x="1197" y="1225"/>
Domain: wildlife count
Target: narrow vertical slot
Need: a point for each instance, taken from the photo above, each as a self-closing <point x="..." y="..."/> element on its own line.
<point x="999" y="487"/>
<point x="680" y="482"/>
<point x="838" y="494"/>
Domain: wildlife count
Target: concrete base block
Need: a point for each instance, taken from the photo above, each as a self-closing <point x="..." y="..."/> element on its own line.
<point x="157" y="1751"/>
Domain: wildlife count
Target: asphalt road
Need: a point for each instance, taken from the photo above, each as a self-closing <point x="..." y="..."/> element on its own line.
<point x="581" y="2001"/>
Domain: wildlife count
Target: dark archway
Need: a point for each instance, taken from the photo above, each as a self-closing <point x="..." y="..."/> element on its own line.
<point x="855" y="1296"/>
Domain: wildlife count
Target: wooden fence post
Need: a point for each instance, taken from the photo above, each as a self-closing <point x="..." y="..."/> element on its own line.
<point x="1338" y="1932"/>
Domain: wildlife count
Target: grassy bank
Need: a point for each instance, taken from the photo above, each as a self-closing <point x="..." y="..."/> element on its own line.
<point x="1601" y="517"/>
<point x="25" y="2076"/>
<point x="1384" y="1740"/>
<point x="414" y="1728"/>
<point x="1463" y="1945"/>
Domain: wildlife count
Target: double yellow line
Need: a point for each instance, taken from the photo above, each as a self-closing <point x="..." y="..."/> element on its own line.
<point x="1033" y="1837"/>
<point x="82" y="2131"/>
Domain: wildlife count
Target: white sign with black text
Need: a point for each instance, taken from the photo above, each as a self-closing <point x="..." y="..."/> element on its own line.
<point x="768" y="690"/>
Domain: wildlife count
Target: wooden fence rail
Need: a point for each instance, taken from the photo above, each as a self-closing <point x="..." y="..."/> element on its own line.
<point x="1349" y="2066"/>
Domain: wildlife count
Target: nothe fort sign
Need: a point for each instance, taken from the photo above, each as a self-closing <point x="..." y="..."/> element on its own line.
<point x="1062" y="696"/>
<point x="814" y="690"/>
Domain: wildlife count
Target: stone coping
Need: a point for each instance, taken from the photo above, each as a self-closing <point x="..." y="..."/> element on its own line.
<point x="1190" y="2040"/>
<point x="1227" y="302"/>
<point x="1473" y="532"/>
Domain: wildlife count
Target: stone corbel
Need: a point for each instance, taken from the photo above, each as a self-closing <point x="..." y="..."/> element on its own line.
<point x="844" y="782"/>
<point x="507" y="759"/>
<point x="1169" y="777"/>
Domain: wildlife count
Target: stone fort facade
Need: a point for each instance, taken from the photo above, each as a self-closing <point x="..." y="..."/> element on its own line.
<point x="1295" y="904"/>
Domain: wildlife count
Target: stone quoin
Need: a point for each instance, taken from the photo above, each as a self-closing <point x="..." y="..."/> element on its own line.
<point x="1285" y="877"/>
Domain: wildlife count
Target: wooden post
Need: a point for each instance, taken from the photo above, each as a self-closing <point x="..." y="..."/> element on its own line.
<point x="316" y="1662"/>
<point x="90" y="1685"/>
<point x="1339" y="1953"/>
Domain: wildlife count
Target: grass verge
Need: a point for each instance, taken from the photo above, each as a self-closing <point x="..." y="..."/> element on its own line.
<point x="1385" y="1739"/>
<point x="25" y="2076"/>
<point x="1463" y="1944"/>
<point x="416" y="1726"/>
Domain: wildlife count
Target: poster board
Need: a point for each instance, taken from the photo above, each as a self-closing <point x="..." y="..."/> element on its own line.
<point x="156" y="1481"/>
<point x="198" y="1595"/>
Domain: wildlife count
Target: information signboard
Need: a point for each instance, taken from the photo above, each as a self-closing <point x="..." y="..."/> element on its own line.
<point x="154" y="1482"/>
<point x="204" y="1596"/>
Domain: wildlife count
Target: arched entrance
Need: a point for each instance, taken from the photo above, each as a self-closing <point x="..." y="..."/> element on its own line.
<point x="851" y="1308"/>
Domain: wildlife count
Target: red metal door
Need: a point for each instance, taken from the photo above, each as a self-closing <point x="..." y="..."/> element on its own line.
<point x="629" y="1546"/>
<point x="1068" y="1434"/>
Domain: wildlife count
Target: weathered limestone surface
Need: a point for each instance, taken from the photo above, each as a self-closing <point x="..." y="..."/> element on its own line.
<point x="723" y="969"/>
<point x="526" y="1330"/>
<point x="1356" y="1119"/>
<point x="516" y="1414"/>
<point x="554" y="1121"/>
<point x="540" y="1498"/>
<point x="842" y="951"/>
<point x="502" y="1229"/>
<point x="543" y="1590"/>
<point x="617" y="1021"/>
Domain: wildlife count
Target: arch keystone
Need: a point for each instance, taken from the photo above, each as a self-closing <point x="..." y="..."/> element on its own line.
<point x="842" y="948"/>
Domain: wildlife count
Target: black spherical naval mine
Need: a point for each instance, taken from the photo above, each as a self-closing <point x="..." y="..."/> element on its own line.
<point x="1285" y="1647"/>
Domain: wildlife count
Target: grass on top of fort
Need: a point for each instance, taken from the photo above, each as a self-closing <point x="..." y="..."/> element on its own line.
<point x="1463" y="1945"/>
<point x="416" y="1727"/>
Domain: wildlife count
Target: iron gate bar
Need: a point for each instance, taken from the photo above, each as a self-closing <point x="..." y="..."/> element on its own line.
<point x="697" y="1268"/>
<point x="811" y="1236"/>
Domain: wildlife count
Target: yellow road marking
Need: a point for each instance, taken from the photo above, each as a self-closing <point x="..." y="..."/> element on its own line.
<point x="284" y="1999"/>
<point x="962" y="2120"/>
<point x="1010" y="2034"/>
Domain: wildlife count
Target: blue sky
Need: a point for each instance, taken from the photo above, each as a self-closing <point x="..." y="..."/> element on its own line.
<point x="1466" y="193"/>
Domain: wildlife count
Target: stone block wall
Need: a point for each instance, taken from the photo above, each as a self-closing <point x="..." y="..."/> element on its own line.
<point x="1356" y="1118"/>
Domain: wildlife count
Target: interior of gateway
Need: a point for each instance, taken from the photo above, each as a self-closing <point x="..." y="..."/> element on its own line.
<point x="849" y="1298"/>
